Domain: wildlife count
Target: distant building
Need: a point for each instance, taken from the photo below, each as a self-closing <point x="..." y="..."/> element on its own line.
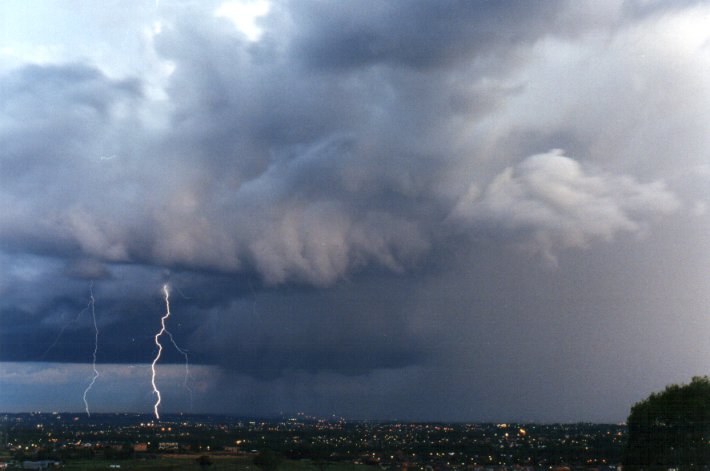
<point x="44" y="464"/>
<point x="140" y="447"/>
<point x="168" y="446"/>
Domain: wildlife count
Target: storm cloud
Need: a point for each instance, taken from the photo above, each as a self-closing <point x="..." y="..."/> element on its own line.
<point x="359" y="194"/>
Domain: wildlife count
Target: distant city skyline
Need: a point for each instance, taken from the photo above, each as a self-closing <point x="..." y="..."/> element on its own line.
<point x="392" y="445"/>
<point x="423" y="210"/>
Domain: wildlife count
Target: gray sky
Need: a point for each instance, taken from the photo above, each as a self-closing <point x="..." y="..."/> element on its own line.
<point x="430" y="210"/>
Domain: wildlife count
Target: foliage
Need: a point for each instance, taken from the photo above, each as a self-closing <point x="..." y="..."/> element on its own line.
<point x="670" y="428"/>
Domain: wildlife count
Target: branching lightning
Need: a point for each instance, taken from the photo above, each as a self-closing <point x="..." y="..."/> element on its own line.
<point x="164" y="330"/>
<point x="96" y="346"/>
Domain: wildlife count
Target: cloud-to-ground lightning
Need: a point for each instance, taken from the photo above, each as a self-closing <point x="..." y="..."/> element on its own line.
<point x="186" y="381"/>
<point x="164" y="330"/>
<point x="96" y="347"/>
<point x="90" y="306"/>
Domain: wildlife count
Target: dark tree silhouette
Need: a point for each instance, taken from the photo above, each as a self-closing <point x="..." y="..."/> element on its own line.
<point x="670" y="428"/>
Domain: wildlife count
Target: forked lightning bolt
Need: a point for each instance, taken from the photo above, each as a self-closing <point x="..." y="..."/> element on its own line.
<point x="164" y="330"/>
<point x="96" y="347"/>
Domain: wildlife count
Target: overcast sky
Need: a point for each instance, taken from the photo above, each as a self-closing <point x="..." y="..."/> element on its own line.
<point x="427" y="210"/>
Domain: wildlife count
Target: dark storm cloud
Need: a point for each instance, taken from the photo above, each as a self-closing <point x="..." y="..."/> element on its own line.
<point x="426" y="34"/>
<point x="346" y="199"/>
<point x="420" y="34"/>
<point x="88" y="270"/>
<point x="57" y="119"/>
<point x="262" y="167"/>
<point x="334" y="329"/>
<point x="50" y="112"/>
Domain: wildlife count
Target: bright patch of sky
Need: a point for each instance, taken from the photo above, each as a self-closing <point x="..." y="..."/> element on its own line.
<point x="245" y="16"/>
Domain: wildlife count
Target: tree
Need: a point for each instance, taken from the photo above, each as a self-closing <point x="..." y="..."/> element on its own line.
<point x="670" y="428"/>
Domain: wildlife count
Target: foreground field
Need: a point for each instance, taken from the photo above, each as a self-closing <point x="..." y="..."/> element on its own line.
<point x="219" y="463"/>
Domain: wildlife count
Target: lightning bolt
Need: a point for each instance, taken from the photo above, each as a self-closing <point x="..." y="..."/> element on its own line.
<point x="164" y="330"/>
<point x="64" y="327"/>
<point x="96" y="346"/>
<point x="156" y="391"/>
<point x="183" y="352"/>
